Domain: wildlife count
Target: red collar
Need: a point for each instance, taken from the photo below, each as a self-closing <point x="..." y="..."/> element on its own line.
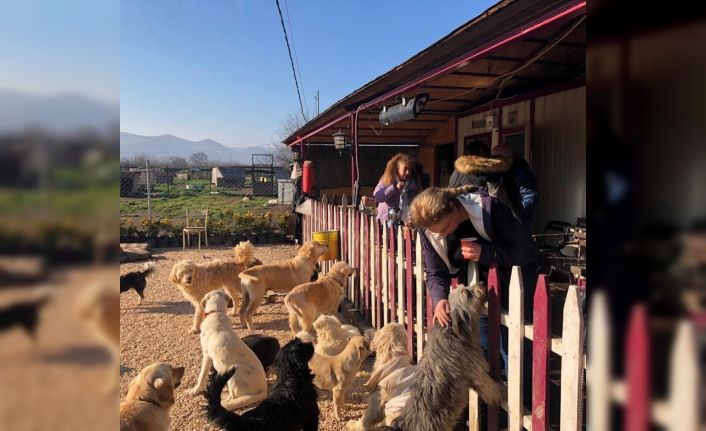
<point x="210" y="312"/>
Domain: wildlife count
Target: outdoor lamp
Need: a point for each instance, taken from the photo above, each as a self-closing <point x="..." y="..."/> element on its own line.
<point x="339" y="140"/>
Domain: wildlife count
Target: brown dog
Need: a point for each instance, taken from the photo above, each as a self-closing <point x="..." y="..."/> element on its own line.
<point x="149" y="398"/>
<point x="308" y="301"/>
<point x="336" y="373"/>
<point x="281" y="277"/>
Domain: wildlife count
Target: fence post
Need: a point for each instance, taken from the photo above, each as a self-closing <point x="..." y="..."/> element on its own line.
<point x="684" y="381"/>
<point x="149" y="200"/>
<point x="385" y="264"/>
<point x="571" y="362"/>
<point x="516" y="342"/>
<point x="421" y="305"/>
<point x="410" y="298"/>
<point x="400" y="275"/>
<point x="366" y="265"/>
<point x="637" y="367"/>
<point x="541" y="345"/>
<point x="392" y="274"/>
<point x="361" y="257"/>
<point x="494" y="339"/>
<point x="376" y="271"/>
<point x="599" y="365"/>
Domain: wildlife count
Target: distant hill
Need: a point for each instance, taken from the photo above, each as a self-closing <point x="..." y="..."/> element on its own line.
<point x="164" y="146"/>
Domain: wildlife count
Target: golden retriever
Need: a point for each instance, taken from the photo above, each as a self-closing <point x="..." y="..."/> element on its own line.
<point x="222" y="347"/>
<point x="308" y="301"/>
<point x="331" y="337"/>
<point x="195" y="280"/>
<point x="244" y="253"/>
<point x="281" y="277"/>
<point x="336" y="373"/>
<point x="149" y="398"/>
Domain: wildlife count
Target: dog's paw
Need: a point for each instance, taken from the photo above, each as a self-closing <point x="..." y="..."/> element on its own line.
<point x="195" y="330"/>
<point x="194" y="392"/>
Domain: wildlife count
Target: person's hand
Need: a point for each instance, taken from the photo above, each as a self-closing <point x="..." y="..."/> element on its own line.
<point x="442" y="313"/>
<point x="471" y="251"/>
<point x="399" y="185"/>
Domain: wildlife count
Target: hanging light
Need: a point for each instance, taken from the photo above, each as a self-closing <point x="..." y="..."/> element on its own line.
<point x="407" y="110"/>
<point x="339" y="140"/>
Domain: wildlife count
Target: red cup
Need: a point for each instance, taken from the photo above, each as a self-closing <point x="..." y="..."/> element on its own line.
<point x="468" y="241"/>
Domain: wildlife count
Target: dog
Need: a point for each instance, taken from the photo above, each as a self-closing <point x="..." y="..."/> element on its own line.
<point x="264" y="347"/>
<point x="331" y="336"/>
<point x="98" y="306"/>
<point x="195" y="280"/>
<point x="291" y="406"/>
<point x="149" y="398"/>
<point x="336" y="373"/>
<point x="24" y="314"/>
<point x="137" y="281"/>
<point x="453" y="361"/>
<point x="281" y="277"/>
<point x="222" y="348"/>
<point x="244" y="253"/>
<point x="308" y="301"/>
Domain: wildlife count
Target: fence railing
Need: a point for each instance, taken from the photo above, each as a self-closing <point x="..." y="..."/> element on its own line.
<point x="389" y="286"/>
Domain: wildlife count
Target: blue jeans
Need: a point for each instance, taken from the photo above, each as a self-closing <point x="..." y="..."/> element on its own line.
<point x="484" y="342"/>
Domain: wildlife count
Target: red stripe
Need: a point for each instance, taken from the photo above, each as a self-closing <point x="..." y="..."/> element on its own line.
<point x="637" y="368"/>
<point x="541" y="345"/>
<point x="493" y="337"/>
<point x="378" y="277"/>
<point x="410" y="303"/>
<point x="366" y="265"/>
<point x="391" y="275"/>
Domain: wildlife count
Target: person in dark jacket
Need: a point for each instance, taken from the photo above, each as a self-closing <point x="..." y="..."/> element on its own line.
<point x="396" y="189"/>
<point x="524" y="181"/>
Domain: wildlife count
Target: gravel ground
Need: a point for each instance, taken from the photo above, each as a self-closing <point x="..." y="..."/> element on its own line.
<point x="158" y="329"/>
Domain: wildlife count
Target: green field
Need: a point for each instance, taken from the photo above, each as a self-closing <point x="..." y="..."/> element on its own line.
<point x="175" y="207"/>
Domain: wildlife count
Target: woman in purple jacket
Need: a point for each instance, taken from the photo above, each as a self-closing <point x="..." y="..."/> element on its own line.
<point x="396" y="189"/>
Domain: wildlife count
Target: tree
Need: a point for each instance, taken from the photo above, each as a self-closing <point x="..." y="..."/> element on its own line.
<point x="177" y="162"/>
<point x="199" y="160"/>
<point x="281" y="153"/>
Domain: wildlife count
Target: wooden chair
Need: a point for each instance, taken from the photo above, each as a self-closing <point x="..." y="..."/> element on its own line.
<point x="193" y="226"/>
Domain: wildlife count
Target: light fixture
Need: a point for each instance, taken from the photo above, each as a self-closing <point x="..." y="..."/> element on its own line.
<point x="339" y="141"/>
<point x="407" y="110"/>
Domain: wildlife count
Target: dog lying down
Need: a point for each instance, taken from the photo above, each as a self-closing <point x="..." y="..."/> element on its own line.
<point x="149" y="398"/>
<point x="453" y="361"/>
<point x="291" y="406"/>
<point x="137" y="281"/>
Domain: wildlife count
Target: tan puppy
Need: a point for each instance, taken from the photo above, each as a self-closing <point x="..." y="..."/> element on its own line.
<point x="149" y="398"/>
<point x="195" y="280"/>
<point x="222" y="347"/>
<point x="331" y="336"/>
<point x="308" y="301"/>
<point x="336" y="373"/>
<point x="99" y="307"/>
<point x="282" y="277"/>
<point x="244" y="252"/>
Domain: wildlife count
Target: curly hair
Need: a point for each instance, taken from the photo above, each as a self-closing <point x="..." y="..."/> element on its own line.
<point x="434" y="203"/>
<point x="388" y="177"/>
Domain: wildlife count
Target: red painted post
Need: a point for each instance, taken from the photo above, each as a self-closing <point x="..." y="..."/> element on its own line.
<point x="410" y="290"/>
<point x="541" y="345"/>
<point x="378" y="272"/>
<point x="494" y="338"/>
<point x="637" y="369"/>
<point x="356" y="257"/>
<point x="391" y="275"/>
<point x="366" y="264"/>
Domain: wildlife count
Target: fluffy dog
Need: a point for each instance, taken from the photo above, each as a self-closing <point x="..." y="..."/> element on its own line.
<point x="453" y="362"/>
<point x="244" y="253"/>
<point x="291" y="405"/>
<point x="281" y="277"/>
<point x="222" y="348"/>
<point x="149" y="398"/>
<point x="336" y="373"/>
<point x="264" y="347"/>
<point x="308" y="301"/>
<point x="195" y="280"/>
<point x="331" y="336"/>
<point x="136" y="280"/>
<point x="24" y="314"/>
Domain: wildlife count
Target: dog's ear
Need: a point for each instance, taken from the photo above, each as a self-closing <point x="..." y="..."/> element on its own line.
<point x="177" y="374"/>
<point x="203" y="300"/>
<point x="165" y="391"/>
<point x="172" y="275"/>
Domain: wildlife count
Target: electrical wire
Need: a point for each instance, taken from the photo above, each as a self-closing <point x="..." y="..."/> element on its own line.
<point x="296" y="56"/>
<point x="291" y="60"/>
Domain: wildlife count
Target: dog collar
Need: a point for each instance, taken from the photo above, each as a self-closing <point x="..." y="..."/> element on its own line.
<point x="206" y="313"/>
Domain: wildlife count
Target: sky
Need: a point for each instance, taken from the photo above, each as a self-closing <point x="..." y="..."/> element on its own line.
<point x="219" y="69"/>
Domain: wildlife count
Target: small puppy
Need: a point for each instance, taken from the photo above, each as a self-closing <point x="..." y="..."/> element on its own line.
<point x="195" y="280"/>
<point x="389" y="345"/>
<point x="336" y="373"/>
<point x="244" y="253"/>
<point x="136" y="280"/>
<point x="24" y="314"/>
<point x="223" y="349"/>
<point x="149" y="398"/>
<point x="331" y="336"/>
<point x="280" y="277"/>
<point x="291" y="405"/>
<point x="308" y="301"/>
<point x="453" y="361"/>
<point x="264" y="347"/>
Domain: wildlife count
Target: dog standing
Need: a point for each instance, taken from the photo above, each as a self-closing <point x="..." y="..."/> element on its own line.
<point x="136" y="280"/>
<point x="331" y="337"/>
<point x="149" y="398"/>
<point x="453" y="361"/>
<point x="223" y="349"/>
<point x="308" y="301"/>
<point x="24" y="314"/>
<point x="291" y="405"/>
<point x="264" y="347"/>
<point x="281" y="277"/>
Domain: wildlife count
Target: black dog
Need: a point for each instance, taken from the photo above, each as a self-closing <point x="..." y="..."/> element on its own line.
<point x="291" y="405"/>
<point x="136" y="280"/>
<point x="264" y="347"/>
<point x="24" y="314"/>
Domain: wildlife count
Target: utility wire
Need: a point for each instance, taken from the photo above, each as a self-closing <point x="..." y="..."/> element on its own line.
<point x="291" y="61"/>
<point x="296" y="55"/>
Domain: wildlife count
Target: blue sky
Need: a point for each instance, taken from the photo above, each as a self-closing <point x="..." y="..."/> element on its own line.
<point x="219" y="69"/>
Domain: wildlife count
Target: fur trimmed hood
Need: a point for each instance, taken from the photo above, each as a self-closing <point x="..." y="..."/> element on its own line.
<point x="478" y="165"/>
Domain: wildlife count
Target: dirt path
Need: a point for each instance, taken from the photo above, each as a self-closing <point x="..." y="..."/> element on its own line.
<point x="158" y="329"/>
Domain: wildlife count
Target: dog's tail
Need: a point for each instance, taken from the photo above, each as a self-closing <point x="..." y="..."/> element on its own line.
<point x="215" y="412"/>
<point x="247" y="277"/>
<point x="148" y="268"/>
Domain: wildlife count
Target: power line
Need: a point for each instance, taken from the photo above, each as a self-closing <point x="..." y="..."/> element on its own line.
<point x="291" y="61"/>
<point x="296" y="55"/>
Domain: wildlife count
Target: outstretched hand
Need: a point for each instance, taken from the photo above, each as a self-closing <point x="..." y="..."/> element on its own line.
<point x="442" y="313"/>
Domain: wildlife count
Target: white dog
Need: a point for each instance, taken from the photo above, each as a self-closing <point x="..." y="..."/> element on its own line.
<point x="222" y="348"/>
<point x="331" y="336"/>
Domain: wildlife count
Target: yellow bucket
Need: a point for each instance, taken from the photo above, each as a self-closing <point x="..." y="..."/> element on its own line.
<point x="330" y="238"/>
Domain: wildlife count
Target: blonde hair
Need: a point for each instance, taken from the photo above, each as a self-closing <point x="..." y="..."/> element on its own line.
<point x="388" y="177"/>
<point x="435" y="203"/>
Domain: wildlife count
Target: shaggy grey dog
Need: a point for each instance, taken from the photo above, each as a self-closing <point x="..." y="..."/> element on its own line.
<point x="453" y="361"/>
